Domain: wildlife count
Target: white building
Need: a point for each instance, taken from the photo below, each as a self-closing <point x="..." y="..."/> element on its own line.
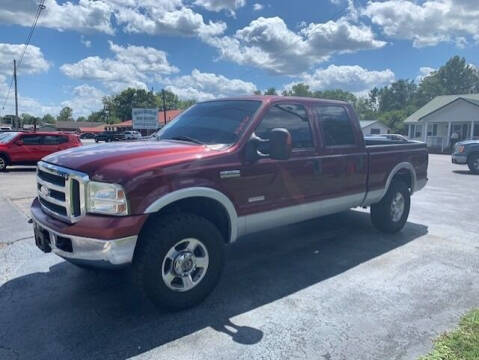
<point x="445" y="120"/>
<point x="374" y="127"/>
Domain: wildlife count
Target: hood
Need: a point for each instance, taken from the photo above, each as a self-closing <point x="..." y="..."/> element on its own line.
<point x="467" y="142"/>
<point x="114" y="161"/>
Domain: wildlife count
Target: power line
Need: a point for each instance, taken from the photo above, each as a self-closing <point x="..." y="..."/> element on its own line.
<point x="41" y="6"/>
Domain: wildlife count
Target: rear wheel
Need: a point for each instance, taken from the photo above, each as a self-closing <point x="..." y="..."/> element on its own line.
<point x="391" y="213"/>
<point x="3" y="163"/>
<point x="179" y="260"/>
<point x="473" y="163"/>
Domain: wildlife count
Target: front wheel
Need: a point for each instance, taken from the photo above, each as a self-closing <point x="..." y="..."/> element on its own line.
<point x="3" y="163"/>
<point x="391" y="213"/>
<point x="473" y="163"/>
<point x="179" y="260"/>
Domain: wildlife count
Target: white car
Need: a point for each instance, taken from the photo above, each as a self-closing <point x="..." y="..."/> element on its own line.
<point x="132" y="135"/>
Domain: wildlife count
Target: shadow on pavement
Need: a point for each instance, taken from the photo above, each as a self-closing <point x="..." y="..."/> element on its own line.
<point x="68" y="313"/>
<point x="21" y="169"/>
<point x="464" y="172"/>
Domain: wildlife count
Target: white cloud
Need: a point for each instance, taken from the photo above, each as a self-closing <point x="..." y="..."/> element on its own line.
<point x="351" y="78"/>
<point x="85" y="100"/>
<point x="204" y="86"/>
<point x="258" y="7"/>
<point x="167" y="18"/>
<point x="131" y="66"/>
<point x="267" y="43"/>
<point x="85" y="42"/>
<point x="424" y="71"/>
<point x="426" y="23"/>
<point x="170" y="17"/>
<point x="218" y="5"/>
<point x="33" y="61"/>
<point x="84" y="16"/>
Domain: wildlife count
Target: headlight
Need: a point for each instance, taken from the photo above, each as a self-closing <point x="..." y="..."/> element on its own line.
<point x="460" y="148"/>
<point x="104" y="198"/>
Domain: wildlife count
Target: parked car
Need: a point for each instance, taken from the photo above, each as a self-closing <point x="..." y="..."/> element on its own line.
<point x="18" y="148"/>
<point x="220" y="170"/>
<point x="5" y="128"/>
<point x="87" y="135"/>
<point x="132" y="135"/>
<point x="467" y="152"/>
<point x="108" y="136"/>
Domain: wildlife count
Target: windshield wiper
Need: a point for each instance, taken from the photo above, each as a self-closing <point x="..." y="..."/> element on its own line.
<point x="185" y="138"/>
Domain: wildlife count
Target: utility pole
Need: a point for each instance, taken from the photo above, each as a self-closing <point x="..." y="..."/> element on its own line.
<point x="17" y="120"/>
<point x="164" y="103"/>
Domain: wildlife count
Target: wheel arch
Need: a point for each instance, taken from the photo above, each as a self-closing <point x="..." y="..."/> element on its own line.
<point x="472" y="153"/>
<point x="195" y="200"/>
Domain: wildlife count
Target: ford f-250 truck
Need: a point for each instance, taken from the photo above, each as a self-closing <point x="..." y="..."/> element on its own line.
<point x="220" y="170"/>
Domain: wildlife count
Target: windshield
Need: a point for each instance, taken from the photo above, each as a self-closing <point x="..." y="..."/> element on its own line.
<point x="210" y="123"/>
<point x="7" y="137"/>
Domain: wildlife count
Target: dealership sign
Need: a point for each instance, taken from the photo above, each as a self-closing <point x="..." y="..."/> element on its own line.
<point x="144" y="118"/>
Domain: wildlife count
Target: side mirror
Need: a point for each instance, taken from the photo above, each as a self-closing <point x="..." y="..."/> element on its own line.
<point x="19" y="142"/>
<point x="280" y="144"/>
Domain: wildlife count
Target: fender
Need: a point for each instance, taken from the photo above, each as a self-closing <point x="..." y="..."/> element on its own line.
<point x="376" y="196"/>
<point x="199" y="192"/>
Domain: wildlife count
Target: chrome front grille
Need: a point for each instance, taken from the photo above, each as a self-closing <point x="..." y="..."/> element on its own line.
<point x="61" y="191"/>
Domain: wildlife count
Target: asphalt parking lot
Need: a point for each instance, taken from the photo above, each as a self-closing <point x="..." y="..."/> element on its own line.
<point x="331" y="288"/>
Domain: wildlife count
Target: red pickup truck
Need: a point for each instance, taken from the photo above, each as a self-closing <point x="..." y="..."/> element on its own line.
<point x="220" y="170"/>
<point x="23" y="148"/>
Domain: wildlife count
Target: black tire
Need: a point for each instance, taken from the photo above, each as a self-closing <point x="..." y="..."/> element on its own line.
<point x="96" y="140"/>
<point x="157" y="239"/>
<point x="3" y="163"/>
<point x="382" y="213"/>
<point x="473" y="163"/>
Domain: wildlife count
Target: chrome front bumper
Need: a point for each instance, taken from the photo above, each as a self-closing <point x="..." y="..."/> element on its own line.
<point x="88" y="251"/>
<point x="459" y="158"/>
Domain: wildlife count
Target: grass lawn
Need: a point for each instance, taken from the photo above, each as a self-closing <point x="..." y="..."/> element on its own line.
<point x="459" y="344"/>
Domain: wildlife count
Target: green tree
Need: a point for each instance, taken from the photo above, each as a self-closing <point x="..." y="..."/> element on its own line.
<point x="257" y="92"/>
<point x="298" y="89"/>
<point x="454" y="78"/>
<point x="118" y="107"/>
<point x="396" y="96"/>
<point x="81" y="119"/>
<point x="65" y="114"/>
<point x="48" y="118"/>
<point x="271" y="91"/>
<point x="337" y="94"/>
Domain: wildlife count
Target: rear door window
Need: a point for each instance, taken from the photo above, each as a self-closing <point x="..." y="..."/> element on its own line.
<point x="54" y="139"/>
<point x="335" y="124"/>
<point x="292" y="117"/>
<point x="32" y="139"/>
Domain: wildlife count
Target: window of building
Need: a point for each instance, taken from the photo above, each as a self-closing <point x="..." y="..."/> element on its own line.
<point x="417" y="131"/>
<point x="375" y="131"/>
<point x="336" y="125"/>
<point x="292" y="117"/>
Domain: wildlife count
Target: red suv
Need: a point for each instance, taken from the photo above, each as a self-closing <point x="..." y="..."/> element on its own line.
<point x="17" y="148"/>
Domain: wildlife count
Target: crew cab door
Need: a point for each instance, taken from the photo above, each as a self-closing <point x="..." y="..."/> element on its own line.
<point x="27" y="148"/>
<point x="342" y="164"/>
<point x="270" y="184"/>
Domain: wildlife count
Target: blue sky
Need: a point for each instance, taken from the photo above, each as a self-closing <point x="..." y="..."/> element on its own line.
<point x="84" y="49"/>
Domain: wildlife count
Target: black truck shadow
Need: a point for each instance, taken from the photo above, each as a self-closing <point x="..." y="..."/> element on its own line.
<point x="68" y="313"/>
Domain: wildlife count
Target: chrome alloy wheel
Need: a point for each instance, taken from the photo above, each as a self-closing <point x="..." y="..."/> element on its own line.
<point x="397" y="207"/>
<point x="185" y="265"/>
<point x="3" y="164"/>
